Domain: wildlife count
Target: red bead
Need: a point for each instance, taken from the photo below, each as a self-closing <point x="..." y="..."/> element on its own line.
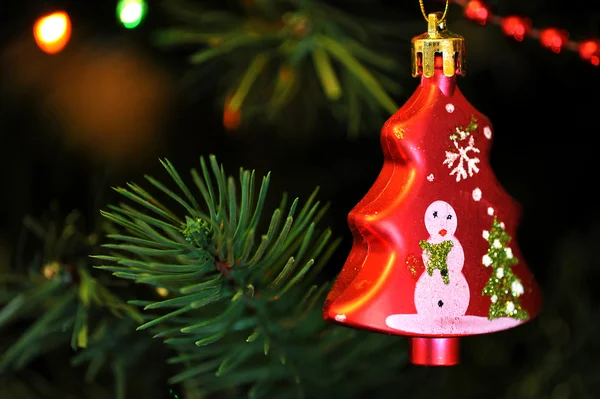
<point x="476" y="11"/>
<point x="516" y="27"/>
<point x="553" y="39"/>
<point x="589" y="50"/>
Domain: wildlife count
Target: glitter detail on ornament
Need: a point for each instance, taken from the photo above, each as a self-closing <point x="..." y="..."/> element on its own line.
<point x="510" y="307"/>
<point x="490" y="211"/>
<point x="517" y="288"/>
<point x="399" y="133"/>
<point x="477" y="194"/>
<point x="436" y="257"/>
<point x="413" y="264"/>
<point x="430" y="177"/>
<point x="340" y="317"/>
<point x="450" y="108"/>
<point x="503" y="287"/>
<point x="487" y="132"/>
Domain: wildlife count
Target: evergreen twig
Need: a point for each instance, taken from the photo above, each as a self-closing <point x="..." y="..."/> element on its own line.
<point x="242" y="298"/>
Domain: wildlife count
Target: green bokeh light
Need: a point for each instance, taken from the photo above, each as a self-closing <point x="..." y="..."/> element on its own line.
<point x="131" y="12"/>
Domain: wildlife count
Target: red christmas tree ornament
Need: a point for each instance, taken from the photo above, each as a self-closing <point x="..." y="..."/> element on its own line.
<point x="434" y="256"/>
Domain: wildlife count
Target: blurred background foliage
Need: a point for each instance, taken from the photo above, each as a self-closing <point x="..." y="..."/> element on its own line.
<point x="102" y="111"/>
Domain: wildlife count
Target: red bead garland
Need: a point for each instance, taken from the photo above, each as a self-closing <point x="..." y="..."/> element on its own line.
<point x="519" y="28"/>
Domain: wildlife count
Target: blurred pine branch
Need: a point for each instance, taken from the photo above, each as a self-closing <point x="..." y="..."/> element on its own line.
<point x="285" y="60"/>
<point x="55" y="301"/>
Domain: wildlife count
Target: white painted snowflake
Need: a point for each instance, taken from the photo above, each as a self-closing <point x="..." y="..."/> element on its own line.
<point x="430" y="177"/>
<point x="450" y="108"/>
<point x="461" y="158"/>
<point x="491" y="211"/>
<point x="477" y="194"/>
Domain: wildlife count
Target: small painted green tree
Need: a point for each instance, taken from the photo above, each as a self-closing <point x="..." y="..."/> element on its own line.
<point x="504" y="288"/>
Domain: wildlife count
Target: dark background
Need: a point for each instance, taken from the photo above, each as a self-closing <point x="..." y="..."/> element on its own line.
<point x="544" y="108"/>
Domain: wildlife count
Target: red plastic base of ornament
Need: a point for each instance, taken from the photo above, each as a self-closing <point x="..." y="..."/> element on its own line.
<point x="434" y="351"/>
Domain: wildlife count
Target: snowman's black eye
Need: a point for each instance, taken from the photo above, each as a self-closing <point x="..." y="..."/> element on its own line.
<point x="449" y="217"/>
<point x="435" y="214"/>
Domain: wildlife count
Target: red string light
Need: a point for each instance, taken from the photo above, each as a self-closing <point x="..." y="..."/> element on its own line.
<point x="519" y="28"/>
<point x="553" y="39"/>
<point x="477" y="11"/>
<point x="516" y="27"/>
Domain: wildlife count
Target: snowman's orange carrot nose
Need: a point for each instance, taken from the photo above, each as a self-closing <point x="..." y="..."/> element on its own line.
<point x="443" y="232"/>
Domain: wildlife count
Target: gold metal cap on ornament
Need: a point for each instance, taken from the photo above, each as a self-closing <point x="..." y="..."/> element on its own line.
<point x="438" y="41"/>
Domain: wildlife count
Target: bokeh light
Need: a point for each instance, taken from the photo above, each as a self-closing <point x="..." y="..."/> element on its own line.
<point x="131" y="12"/>
<point x="52" y="32"/>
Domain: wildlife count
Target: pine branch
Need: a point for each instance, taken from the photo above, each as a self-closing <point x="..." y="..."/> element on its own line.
<point x="282" y="45"/>
<point x="63" y="304"/>
<point x="242" y="302"/>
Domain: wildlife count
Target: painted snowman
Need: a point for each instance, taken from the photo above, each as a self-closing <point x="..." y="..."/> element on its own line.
<point x="442" y="290"/>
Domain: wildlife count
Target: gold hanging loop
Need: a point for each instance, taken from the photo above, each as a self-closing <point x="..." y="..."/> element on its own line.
<point x="426" y="16"/>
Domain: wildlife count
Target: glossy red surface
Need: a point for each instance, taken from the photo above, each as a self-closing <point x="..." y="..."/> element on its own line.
<point x="380" y="275"/>
<point x="434" y="351"/>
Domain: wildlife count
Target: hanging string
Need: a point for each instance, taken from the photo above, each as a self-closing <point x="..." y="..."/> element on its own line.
<point x="425" y="13"/>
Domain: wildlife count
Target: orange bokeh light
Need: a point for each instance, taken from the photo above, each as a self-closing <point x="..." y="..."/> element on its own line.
<point x="52" y="32"/>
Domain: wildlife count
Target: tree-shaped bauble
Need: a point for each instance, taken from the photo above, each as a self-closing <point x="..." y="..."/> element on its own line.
<point x="415" y="267"/>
